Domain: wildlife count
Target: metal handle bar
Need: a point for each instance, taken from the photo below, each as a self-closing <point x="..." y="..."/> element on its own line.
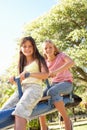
<point x="17" y="80"/>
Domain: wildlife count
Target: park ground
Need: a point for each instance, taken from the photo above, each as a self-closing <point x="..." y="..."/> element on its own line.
<point x="78" y="125"/>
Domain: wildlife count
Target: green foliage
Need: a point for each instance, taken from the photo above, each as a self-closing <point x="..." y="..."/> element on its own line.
<point x="66" y="25"/>
<point x="6" y="90"/>
<point x="34" y="124"/>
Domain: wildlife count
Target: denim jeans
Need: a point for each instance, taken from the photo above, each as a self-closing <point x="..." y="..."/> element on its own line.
<point x="58" y="89"/>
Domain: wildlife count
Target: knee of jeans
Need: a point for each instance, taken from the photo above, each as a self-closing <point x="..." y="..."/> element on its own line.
<point x="57" y="98"/>
<point x="51" y="92"/>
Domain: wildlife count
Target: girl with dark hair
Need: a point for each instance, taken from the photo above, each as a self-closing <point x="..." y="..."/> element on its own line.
<point x="30" y="61"/>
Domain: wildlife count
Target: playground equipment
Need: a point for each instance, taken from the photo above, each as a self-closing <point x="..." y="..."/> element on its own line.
<point x="44" y="107"/>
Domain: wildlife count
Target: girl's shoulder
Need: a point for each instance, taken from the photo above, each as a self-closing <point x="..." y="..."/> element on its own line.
<point x="61" y="54"/>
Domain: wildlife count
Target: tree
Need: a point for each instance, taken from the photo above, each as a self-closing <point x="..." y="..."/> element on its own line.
<point x="66" y="25"/>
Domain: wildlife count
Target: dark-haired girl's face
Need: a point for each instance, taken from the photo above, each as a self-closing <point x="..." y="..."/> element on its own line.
<point x="27" y="49"/>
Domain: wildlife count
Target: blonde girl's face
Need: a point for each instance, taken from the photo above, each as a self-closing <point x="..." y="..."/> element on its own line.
<point x="27" y="49"/>
<point x="48" y="49"/>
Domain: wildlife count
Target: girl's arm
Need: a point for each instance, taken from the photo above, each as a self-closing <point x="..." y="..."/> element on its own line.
<point x="68" y="64"/>
<point x="40" y="75"/>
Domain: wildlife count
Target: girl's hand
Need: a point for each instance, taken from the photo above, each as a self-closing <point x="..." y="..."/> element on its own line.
<point x="22" y="76"/>
<point x="51" y="74"/>
<point x="11" y="80"/>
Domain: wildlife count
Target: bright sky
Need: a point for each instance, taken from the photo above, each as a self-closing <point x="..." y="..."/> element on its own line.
<point x="14" y="14"/>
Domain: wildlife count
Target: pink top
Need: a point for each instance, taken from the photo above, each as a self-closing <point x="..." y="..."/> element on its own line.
<point x="57" y="63"/>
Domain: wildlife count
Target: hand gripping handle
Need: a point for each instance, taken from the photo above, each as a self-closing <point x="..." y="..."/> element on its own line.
<point x="17" y="80"/>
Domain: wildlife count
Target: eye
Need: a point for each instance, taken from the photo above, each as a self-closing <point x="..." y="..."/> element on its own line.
<point x="24" y="46"/>
<point x="45" y="48"/>
<point x="30" y="46"/>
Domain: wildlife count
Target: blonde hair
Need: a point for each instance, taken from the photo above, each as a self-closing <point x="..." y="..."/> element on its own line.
<point x="57" y="51"/>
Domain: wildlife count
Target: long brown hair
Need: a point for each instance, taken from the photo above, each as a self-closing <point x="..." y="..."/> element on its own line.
<point x="36" y="55"/>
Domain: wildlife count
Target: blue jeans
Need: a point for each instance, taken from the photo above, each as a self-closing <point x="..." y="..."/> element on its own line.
<point x="58" y="89"/>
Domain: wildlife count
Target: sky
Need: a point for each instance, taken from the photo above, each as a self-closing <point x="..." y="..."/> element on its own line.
<point x="14" y="15"/>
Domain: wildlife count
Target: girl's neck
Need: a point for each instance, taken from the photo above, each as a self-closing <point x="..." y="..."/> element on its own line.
<point x="29" y="60"/>
<point x="51" y="58"/>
